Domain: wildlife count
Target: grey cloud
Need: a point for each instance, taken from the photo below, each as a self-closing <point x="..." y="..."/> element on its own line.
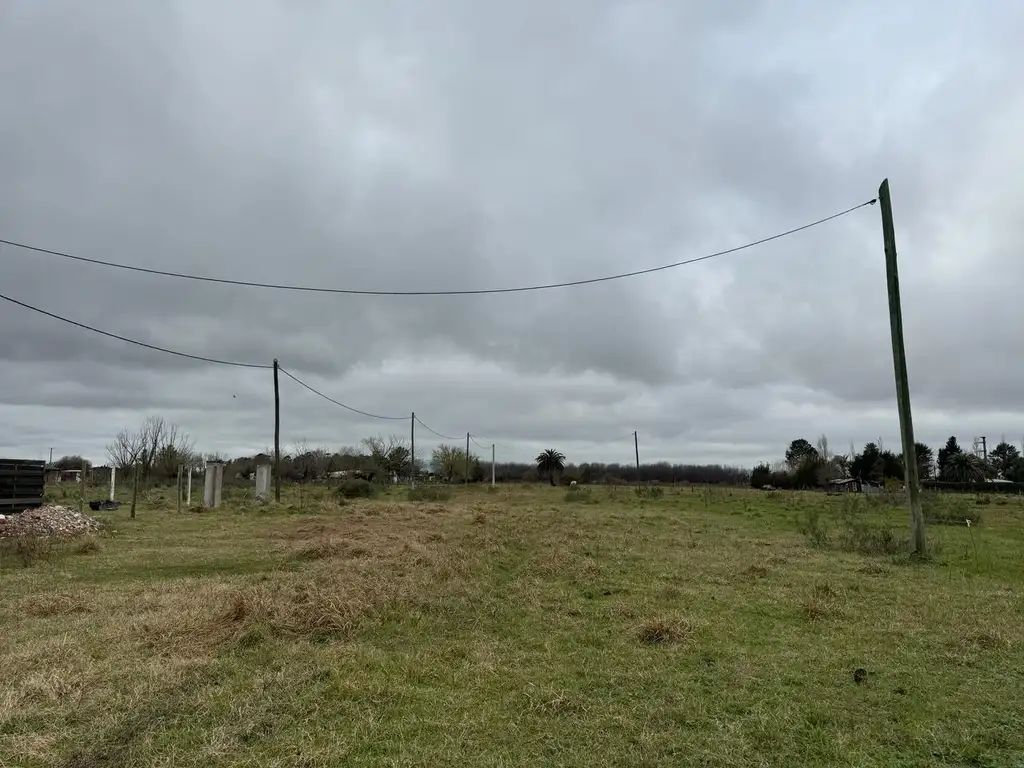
<point x="472" y="145"/>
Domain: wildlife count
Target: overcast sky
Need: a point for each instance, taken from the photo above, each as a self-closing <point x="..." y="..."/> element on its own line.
<point x="463" y="144"/>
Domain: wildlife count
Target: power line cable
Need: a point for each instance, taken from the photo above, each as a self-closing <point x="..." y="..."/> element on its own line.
<point x="468" y="292"/>
<point x="496" y="444"/>
<point x="236" y="364"/>
<point x="136" y="342"/>
<point x="435" y="432"/>
<point x="336" y="402"/>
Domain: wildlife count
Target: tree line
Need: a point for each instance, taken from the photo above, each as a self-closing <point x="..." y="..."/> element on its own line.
<point x="809" y="466"/>
<point x="157" y="447"/>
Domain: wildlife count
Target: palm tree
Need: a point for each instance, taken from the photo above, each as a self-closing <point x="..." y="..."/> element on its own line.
<point x="550" y="462"/>
<point x="965" y="468"/>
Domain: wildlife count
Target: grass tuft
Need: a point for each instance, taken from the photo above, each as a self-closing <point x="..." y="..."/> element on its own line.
<point x="430" y="493"/>
<point x="356" y="488"/>
<point x="662" y="631"/>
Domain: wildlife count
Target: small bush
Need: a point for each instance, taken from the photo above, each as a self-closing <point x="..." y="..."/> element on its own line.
<point x="578" y="495"/>
<point x="866" y="538"/>
<point x="649" y="491"/>
<point x="813" y="529"/>
<point x="356" y="489"/>
<point x="939" y="511"/>
<point x="430" y="493"/>
<point x="88" y="546"/>
<point x="28" y="550"/>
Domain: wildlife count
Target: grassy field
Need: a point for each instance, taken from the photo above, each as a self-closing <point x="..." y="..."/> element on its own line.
<point x="520" y="627"/>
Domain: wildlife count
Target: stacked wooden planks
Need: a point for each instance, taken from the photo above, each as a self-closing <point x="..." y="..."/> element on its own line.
<point x="21" y="484"/>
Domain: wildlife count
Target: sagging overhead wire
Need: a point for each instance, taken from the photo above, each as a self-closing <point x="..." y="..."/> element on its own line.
<point x="441" y="292"/>
<point x="204" y="359"/>
<point x="336" y="402"/>
<point x="136" y="342"/>
<point x="435" y="432"/>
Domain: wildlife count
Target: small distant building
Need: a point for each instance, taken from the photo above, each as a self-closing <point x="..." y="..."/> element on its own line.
<point x="853" y="485"/>
<point x="844" y="485"/>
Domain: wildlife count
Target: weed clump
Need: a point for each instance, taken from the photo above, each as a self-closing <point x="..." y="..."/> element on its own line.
<point x="813" y="528"/>
<point x="649" y="491"/>
<point x="28" y="551"/>
<point x="430" y="493"/>
<point x="356" y="488"/>
<point x="576" y="494"/>
<point x="88" y="546"/>
<point x="940" y="511"/>
<point x="662" y="631"/>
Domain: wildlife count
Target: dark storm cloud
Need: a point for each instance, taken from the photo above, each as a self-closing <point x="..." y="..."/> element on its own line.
<point x="466" y="145"/>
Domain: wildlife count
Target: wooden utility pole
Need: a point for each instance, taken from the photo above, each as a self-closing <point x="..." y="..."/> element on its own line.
<point x="492" y="465"/>
<point x="277" y="436"/>
<point x="467" y="458"/>
<point x="135" y="488"/>
<point x="81" y="500"/>
<point x="412" y="457"/>
<point x="899" y="357"/>
<point x="636" y="447"/>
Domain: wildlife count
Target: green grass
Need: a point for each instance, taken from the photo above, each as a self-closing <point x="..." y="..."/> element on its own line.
<point x="518" y="627"/>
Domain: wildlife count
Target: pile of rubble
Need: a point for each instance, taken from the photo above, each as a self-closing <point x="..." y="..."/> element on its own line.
<point x="51" y="521"/>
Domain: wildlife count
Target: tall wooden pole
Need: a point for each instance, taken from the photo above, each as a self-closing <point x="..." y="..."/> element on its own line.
<point x="899" y="357"/>
<point x="277" y="436"/>
<point x="492" y="465"/>
<point x="81" y="500"/>
<point x="467" y="458"/>
<point x="636" y="447"/>
<point x="412" y="458"/>
<point x="135" y="487"/>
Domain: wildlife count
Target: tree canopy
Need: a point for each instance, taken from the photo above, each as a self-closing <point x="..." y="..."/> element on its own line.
<point x="550" y="463"/>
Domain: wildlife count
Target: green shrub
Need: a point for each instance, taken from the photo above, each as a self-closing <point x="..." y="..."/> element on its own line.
<point x="28" y="550"/>
<point x="430" y="493"/>
<point x="356" y="489"/>
<point x="942" y="509"/>
<point x="649" y="491"/>
<point x="813" y="529"/>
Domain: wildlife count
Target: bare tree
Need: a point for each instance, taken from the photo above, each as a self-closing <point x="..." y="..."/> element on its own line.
<point x="126" y="449"/>
<point x="391" y="454"/>
<point x="309" y="463"/>
<point x="157" y="447"/>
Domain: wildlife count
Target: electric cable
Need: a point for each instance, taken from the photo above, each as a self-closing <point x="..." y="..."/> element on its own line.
<point x="466" y="292"/>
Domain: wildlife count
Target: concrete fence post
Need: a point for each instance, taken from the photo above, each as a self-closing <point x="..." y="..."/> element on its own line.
<point x="214" y="482"/>
<point x="262" y="481"/>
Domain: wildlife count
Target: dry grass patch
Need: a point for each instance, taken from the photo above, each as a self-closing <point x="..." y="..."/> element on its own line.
<point x="663" y="631"/>
<point x="822" y="603"/>
<point x="55" y="604"/>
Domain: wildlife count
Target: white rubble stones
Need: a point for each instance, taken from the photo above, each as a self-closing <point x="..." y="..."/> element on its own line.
<point x="52" y="521"/>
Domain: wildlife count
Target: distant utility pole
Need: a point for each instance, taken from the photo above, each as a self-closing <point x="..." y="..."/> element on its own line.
<point x="412" y="452"/>
<point x="636" y="448"/>
<point x="899" y="357"/>
<point x="492" y="465"/>
<point x="467" y="458"/>
<point x="51" y="458"/>
<point x="277" y="436"/>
